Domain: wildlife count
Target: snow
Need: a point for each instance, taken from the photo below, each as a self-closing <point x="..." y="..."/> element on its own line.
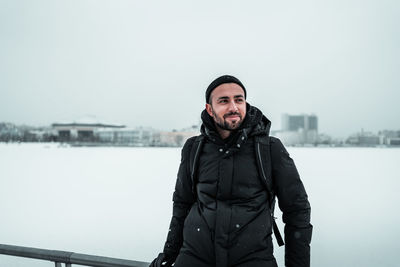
<point x="117" y="201"/>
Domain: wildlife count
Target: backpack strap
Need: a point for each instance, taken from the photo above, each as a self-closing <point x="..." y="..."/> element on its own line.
<point x="264" y="164"/>
<point x="194" y="160"/>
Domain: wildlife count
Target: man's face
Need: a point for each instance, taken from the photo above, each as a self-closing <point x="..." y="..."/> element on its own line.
<point x="228" y="106"/>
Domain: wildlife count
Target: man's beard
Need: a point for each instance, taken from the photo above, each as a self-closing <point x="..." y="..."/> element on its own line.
<point x="224" y="124"/>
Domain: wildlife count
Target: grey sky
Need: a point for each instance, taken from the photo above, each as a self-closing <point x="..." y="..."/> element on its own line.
<point x="148" y="62"/>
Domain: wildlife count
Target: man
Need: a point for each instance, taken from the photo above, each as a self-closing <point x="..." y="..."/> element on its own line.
<point x="225" y="189"/>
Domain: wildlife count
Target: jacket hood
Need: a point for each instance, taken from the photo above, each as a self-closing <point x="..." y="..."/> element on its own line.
<point x="254" y="123"/>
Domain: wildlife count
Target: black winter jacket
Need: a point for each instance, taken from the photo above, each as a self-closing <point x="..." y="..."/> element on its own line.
<point x="226" y="220"/>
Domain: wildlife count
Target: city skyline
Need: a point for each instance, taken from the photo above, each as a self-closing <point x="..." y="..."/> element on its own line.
<point x="290" y="123"/>
<point x="276" y="126"/>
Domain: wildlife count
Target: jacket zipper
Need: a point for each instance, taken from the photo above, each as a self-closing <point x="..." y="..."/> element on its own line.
<point x="259" y="159"/>
<point x="194" y="164"/>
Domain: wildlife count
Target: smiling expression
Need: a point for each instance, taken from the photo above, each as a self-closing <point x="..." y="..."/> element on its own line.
<point x="228" y="106"/>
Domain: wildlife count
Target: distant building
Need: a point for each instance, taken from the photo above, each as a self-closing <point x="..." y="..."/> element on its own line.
<point x="175" y="138"/>
<point x="80" y="131"/>
<point x="390" y="138"/>
<point x="92" y="132"/>
<point x="324" y="139"/>
<point x="298" y="129"/>
<point x="298" y="122"/>
<point x="364" y="139"/>
<point x="127" y="136"/>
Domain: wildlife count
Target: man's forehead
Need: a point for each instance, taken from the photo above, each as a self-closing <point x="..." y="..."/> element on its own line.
<point x="228" y="90"/>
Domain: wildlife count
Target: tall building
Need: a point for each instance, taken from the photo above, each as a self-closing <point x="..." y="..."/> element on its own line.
<point x="299" y="122"/>
<point x="299" y="129"/>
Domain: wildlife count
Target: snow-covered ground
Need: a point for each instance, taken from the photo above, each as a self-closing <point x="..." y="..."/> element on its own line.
<point x="116" y="202"/>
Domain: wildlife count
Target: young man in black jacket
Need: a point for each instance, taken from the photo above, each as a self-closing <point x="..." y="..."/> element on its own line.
<point x="225" y="190"/>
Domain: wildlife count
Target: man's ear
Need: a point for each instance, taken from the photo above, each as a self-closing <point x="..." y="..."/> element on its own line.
<point x="209" y="109"/>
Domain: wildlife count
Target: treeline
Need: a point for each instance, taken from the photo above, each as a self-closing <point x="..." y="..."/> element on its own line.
<point x="10" y="132"/>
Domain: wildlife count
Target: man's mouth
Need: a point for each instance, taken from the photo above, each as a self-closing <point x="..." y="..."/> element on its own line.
<point x="232" y="116"/>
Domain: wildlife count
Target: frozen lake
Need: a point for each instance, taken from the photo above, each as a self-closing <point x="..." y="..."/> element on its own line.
<point x="116" y="202"/>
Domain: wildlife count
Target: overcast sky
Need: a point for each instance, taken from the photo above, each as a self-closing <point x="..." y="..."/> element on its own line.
<point x="148" y="63"/>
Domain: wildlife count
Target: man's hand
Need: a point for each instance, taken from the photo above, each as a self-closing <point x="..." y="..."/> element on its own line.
<point x="162" y="261"/>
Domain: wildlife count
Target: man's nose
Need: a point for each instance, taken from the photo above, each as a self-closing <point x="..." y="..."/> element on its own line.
<point x="232" y="106"/>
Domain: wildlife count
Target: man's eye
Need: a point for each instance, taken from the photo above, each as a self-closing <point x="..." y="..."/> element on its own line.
<point x="223" y="101"/>
<point x="239" y="100"/>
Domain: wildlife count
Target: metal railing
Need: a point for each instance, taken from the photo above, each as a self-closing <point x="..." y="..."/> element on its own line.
<point x="68" y="258"/>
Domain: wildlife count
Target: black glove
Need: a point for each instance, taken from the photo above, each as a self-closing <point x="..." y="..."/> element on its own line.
<point x="162" y="260"/>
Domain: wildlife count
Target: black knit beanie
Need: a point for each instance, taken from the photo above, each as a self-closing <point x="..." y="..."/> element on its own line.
<point x="220" y="80"/>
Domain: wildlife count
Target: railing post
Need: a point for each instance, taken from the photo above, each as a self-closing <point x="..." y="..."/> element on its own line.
<point x="58" y="264"/>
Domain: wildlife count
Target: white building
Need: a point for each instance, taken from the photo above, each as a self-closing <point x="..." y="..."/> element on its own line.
<point x="127" y="136"/>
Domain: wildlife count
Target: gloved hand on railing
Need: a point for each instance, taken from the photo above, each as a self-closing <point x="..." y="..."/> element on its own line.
<point x="163" y="260"/>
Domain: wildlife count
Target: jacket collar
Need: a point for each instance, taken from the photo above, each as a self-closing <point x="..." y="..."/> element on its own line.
<point x="254" y="123"/>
